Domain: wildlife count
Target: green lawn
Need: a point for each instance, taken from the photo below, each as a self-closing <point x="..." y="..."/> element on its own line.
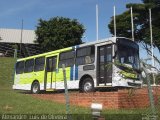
<point x="14" y="102"/>
<point x="6" y="72"/>
<point x="17" y="103"/>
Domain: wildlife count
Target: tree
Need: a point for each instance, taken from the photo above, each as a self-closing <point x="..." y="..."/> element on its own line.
<point x="58" y="32"/>
<point x="141" y="22"/>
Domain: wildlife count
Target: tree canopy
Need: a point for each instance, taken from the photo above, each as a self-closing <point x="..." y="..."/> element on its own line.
<point x="58" y="32"/>
<point x="141" y="22"/>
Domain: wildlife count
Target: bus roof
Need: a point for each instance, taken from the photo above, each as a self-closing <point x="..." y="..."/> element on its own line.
<point x="111" y="39"/>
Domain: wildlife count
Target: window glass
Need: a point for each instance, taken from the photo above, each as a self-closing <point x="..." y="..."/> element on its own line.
<point x="67" y="55"/>
<point x="19" y="67"/>
<point x="102" y="59"/>
<point x="51" y="64"/>
<point x="29" y="65"/>
<point x="109" y="54"/>
<point x="128" y="52"/>
<point x="39" y="64"/>
<point x="67" y="58"/>
<point x="67" y="62"/>
<point x="128" y="55"/>
<point x="85" y="55"/>
<point x="109" y="58"/>
<point x="84" y="51"/>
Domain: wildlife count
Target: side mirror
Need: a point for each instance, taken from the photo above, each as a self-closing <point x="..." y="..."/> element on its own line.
<point x="115" y="54"/>
<point x="143" y="74"/>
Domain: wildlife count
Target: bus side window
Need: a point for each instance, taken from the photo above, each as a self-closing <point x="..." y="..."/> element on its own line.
<point x="20" y="67"/>
<point x="39" y="64"/>
<point x="67" y="58"/>
<point x="109" y="53"/>
<point x="85" y="55"/>
<point x="29" y="64"/>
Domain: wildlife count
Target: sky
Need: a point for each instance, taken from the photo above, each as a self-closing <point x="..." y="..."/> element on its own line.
<point x="13" y="11"/>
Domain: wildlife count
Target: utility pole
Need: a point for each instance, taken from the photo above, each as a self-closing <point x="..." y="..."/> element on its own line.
<point x="114" y="9"/>
<point x="97" y="22"/>
<point x="66" y="93"/>
<point x="21" y="38"/>
<point x="146" y="68"/>
<point x="132" y="24"/>
<point x="151" y="36"/>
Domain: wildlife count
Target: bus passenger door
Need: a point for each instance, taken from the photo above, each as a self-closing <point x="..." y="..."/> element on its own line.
<point x="50" y="79"/>
<point x="104" y="65"/>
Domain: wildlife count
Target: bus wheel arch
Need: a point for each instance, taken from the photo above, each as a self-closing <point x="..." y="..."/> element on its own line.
<point x="35" y="87"/>
<point x="86" y="84"/>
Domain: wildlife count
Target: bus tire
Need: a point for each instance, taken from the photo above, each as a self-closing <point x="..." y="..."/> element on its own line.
<point x="87" y="85"/>
<point x="35" y="88"/>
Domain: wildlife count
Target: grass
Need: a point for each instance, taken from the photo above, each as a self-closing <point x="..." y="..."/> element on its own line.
<point x="15" y="102"/>
<point x="6" y="72"/>
<point x="19" y="103"/>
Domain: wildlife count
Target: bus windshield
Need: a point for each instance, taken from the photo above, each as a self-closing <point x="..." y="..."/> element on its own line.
<point x="128" y="54"/>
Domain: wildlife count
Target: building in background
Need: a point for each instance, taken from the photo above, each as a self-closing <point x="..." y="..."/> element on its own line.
<point x="23" y="40"/>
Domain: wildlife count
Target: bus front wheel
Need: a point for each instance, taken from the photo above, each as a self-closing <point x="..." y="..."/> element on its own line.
<point x="35" y="89"/>
<point x="87" y="85"/>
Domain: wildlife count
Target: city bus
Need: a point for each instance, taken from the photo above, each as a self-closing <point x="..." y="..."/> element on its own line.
<point x="111" y="62"/>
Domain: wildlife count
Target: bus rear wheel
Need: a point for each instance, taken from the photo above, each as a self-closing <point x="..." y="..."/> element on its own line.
<point x="35" y="89"/>
<point x="87" y="85"/>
